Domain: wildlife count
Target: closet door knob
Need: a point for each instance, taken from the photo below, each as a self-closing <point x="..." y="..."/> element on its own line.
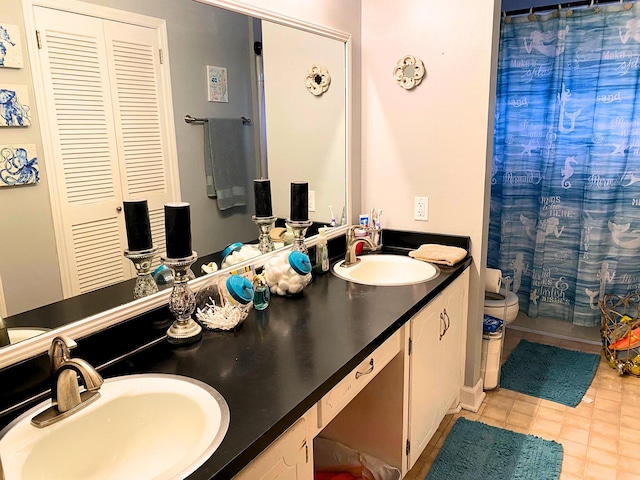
<point x="118" y="209"/>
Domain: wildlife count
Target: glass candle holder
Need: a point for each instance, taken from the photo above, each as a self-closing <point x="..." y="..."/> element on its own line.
<point x="182" y="302"/>
<point x="142" y="260"/>
<point x="299" y="228"/>
<point x="265" y="224"/>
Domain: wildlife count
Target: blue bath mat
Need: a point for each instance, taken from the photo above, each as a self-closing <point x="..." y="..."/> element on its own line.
<point x="548" y="372"/>
<point x="476" y="451"/>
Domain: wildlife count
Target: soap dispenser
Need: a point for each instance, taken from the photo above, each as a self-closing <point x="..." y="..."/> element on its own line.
<point x="322" y="252"/>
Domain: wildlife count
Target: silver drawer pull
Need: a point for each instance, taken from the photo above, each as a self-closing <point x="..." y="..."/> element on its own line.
<point x="361" y="374"/>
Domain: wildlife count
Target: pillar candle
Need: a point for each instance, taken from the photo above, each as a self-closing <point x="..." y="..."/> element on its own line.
<point x="177" y="229"/>
<point x="262" y="191"/>
<point x="136" y="219"/>
<point x="299" y="201"/>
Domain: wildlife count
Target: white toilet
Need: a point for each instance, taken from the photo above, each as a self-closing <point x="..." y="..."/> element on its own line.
<point x="494" y="305"/>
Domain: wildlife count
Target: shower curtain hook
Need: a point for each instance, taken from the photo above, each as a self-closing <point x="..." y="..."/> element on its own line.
<point x="532" y="17"/>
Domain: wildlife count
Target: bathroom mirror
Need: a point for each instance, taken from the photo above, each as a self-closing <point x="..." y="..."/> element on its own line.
<point x="293" y="153"/>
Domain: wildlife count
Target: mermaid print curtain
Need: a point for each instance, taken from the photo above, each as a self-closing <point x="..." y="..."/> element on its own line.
<point x="565" y="183"/>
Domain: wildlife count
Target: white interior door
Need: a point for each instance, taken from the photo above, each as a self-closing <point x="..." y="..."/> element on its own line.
<point x="107" y="122"/>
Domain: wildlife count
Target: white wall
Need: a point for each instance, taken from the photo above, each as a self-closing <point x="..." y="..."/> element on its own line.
<point x="434" y="140"/>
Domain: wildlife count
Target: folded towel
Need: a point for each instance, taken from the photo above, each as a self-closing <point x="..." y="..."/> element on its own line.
<point x="225" y="160"/>
<point x="442" y="254"/>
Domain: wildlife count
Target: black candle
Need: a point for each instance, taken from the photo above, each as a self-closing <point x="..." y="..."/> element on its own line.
<point x="177" y="229"/>
<point x="262" y="191"/>
<point x="299" y="201"/>
<point x="136" y="219"/>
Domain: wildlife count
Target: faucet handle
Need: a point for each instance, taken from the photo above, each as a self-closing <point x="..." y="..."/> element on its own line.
<point x="60" y="351"/>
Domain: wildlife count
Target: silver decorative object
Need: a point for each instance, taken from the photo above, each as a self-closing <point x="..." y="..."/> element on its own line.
<point x="182" y="302"/>
<point x="299" y="228"/>
<point x="265" y="224"/>
<point x="409" y="71"/>
<point x="142" y="260"/>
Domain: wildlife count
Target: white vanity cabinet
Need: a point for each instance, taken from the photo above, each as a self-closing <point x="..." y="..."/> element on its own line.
<point x="436" y="362"/>
<point x="391" y="404"/>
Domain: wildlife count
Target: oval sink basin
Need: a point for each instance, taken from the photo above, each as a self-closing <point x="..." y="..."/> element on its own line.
<point x="387" y="270"/>
<point x="142" y="427"/>
<point x="18" y="334"/>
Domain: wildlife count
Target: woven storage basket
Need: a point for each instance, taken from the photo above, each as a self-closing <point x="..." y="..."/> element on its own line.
<point x="620" y="332"/>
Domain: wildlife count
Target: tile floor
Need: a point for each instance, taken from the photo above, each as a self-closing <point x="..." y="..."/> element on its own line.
<point x="601" y="436"/>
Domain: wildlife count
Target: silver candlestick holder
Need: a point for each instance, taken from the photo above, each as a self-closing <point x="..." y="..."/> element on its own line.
<point x="299" y="228"/>
<point x="182" y="302"/>
<point x="265" y="224"/>
<point x="142" y="260"/>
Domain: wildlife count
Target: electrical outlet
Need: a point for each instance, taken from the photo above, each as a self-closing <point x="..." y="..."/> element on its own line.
<point x="421" y="208"/>
<point x="312" y="200"/>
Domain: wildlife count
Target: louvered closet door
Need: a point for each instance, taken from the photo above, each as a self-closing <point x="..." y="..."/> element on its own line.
<point x="106" y="113"/>
<point x="76" y="78"/>
<point x="139" y="111"/>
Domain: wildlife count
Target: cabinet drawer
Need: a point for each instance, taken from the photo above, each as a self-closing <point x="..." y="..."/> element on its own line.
<point x="340" y="395"/>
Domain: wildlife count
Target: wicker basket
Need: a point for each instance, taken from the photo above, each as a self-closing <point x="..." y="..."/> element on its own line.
<point x="621" y="344"/>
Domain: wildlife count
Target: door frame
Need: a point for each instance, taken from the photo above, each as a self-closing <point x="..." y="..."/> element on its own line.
<point x="54" y="175"/>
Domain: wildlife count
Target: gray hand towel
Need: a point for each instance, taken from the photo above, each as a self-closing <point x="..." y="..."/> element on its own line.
<point x="225" y="158"/>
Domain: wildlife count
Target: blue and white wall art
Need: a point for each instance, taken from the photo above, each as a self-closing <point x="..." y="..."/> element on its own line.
<point x="10" y="47"/>
<point x="14" y="106"/>
<point x="217" y="86"/>
<point x="18" y="165"/>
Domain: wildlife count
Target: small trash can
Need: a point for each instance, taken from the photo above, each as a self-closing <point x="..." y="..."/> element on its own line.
<point x="492" y="332"/>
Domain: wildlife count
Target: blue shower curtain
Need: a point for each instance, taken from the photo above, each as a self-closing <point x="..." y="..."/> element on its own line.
<point x="565" y="183"/>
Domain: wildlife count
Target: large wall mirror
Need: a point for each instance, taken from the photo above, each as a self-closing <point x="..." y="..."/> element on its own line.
<point x="293" y="135"/>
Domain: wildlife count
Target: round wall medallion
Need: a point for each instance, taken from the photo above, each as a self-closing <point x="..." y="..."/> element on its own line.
<point x="317" y="80"/>
<point x="409" y="71"/>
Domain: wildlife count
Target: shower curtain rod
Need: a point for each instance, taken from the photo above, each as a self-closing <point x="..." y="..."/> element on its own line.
<point x="557" y="6"/>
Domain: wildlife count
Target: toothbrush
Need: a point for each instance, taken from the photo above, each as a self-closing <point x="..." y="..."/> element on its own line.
<point x="377" y="222"/>
<point x="333" y="217"/>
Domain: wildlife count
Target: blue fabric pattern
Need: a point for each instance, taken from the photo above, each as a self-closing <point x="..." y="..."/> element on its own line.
<point x="565" y="184"/>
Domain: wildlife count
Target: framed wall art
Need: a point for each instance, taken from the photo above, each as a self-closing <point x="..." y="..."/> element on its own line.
<point x="18" y="165"/>
<point x="217" y="86"/>
<point x="10" y="46"/>
<point x="14" y="106"/>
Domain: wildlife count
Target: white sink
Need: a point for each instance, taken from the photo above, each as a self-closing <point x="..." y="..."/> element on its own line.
<point x="18" y="334"/>
<point x="387" y="270"/>
<point x="142" y="427"/>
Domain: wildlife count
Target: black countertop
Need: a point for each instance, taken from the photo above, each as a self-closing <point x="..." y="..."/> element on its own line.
<point x="284" y="359"/>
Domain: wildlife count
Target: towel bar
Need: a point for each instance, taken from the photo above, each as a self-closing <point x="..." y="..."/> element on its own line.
<point x="189" y="119"/>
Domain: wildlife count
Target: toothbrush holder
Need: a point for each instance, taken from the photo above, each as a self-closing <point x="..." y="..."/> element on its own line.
<point x="182" y="302"/>
<point x="299" y="228"/>
<point x="265" y="224"/>
<point x="142" y="260"/>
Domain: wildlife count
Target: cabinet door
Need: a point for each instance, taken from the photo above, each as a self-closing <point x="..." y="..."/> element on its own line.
<point x="424" y="390"/>
<point x="451" y="371"/>
<point x="288" y="458"/>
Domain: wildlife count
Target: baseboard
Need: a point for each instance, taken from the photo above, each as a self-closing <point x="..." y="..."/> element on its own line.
<point x="471" y="397"/>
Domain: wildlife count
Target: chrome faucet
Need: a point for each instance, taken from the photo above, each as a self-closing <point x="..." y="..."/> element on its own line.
<point x="350" y="257"/>
<point x="66" y="397"/>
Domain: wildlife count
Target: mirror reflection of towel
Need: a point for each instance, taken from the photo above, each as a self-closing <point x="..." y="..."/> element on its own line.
<point x="225" y="159"/>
